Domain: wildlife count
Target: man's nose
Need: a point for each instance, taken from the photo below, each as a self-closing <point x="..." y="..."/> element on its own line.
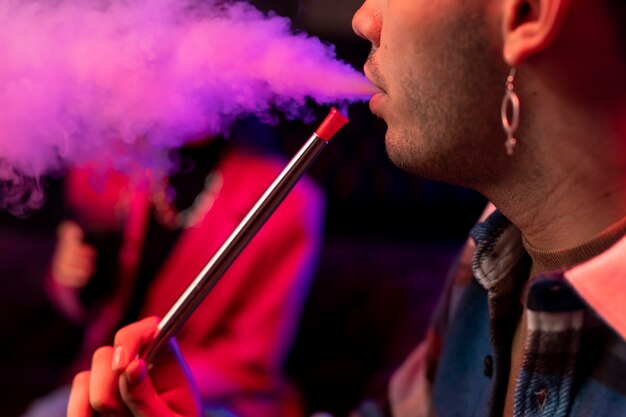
<point x="367" y="23"/>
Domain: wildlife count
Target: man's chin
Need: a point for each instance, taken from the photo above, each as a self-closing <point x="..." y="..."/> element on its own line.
<point x="406" y="153"/>
<point x="399" y="152"/>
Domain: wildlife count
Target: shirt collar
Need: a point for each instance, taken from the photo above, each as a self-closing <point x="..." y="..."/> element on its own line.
<point x="498" y="249"/>
<point x="600" y="282"/>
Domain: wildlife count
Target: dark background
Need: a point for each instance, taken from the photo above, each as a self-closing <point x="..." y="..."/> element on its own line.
<point x="389" y="240"/>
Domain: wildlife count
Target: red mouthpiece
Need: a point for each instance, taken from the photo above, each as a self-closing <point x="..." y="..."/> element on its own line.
<point x="331" y="124"/>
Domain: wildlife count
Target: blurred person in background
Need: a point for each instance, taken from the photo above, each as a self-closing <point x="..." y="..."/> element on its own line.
<point x="130" y="252"/>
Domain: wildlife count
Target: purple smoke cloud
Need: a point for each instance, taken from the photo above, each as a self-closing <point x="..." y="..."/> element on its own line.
<point x="122" y="79"/>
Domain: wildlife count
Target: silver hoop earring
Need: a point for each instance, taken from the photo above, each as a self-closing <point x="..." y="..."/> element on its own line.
<point x="511" y="100"/>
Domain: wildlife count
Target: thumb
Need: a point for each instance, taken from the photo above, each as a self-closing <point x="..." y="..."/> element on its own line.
<point x="70" y="231"/>
<point x="139" y="394"/>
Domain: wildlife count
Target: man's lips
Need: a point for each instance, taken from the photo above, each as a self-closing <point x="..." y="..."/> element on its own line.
<point x="375" y="103"/>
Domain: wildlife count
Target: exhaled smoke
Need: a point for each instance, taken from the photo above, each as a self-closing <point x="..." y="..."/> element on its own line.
<point x="120" y="79"/>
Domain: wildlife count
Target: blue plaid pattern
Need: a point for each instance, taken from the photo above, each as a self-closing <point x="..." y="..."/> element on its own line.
<point x="574" y="364"/>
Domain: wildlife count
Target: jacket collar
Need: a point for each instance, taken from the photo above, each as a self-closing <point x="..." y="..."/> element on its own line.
<point x="600" y="282"/>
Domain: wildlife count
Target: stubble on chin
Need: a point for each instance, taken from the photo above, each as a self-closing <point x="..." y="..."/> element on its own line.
<point x="451" y="112"/>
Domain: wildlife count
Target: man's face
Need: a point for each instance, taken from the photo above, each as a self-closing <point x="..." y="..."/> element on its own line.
<point x="442" y="83"/>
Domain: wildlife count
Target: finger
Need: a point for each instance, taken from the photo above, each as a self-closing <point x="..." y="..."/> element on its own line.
<point x="70" y="229"/>
<point x="83" y="256"/>
<point x="74" y="267"/>
<point x="103" y="383"/>
<point x="70" y="233"/>
<point x="130" y="340"/>
<point x="81" y="253"/>
<point x="84" y="265"/>
<point x="139" y="394"/>
<point x="72" y="277"/>
<point x="76" y="253"/>
<point x="78" y="404"/>
<point x="86" y="252"/>
<point x="72" y="243"/>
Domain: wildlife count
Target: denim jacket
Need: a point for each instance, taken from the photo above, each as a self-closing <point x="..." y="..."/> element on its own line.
<point x="574" y="361"/>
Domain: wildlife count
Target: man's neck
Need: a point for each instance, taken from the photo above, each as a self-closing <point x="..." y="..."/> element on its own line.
<point x="570" y="190"/>
<point x="568" y="214"/>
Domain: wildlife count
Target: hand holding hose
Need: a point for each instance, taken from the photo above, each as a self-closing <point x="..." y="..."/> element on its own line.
<point x="119" y="384"/>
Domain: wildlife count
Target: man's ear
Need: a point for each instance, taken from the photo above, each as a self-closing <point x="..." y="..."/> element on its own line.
<point x="529" y="26"/>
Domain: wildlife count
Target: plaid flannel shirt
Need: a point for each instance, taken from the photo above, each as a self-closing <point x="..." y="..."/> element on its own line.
<point x="574" y="360"/>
